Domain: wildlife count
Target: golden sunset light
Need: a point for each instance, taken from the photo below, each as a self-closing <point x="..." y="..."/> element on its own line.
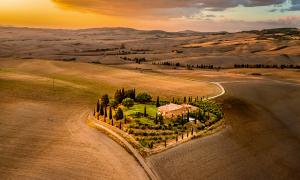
<point x="149" y="89"/>
<point x="159" y="14"/>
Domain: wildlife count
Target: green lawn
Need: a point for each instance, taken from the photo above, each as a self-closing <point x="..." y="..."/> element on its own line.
<point x="151" y="109"/>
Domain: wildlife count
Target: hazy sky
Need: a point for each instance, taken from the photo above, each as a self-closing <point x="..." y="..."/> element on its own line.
<point x="171" y="15"/>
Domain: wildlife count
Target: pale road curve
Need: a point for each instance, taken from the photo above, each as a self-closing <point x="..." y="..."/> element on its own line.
<point x="222" y="91"/>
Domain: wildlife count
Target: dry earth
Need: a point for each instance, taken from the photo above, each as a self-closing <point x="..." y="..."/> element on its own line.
<point x="42" y="130"/>
<point x="261" y="140"/>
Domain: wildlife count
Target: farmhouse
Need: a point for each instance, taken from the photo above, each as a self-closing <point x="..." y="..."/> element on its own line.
<point x="173" y="110"/>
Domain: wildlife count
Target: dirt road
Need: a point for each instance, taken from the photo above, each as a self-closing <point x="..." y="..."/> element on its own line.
<point x="261" y="140"/>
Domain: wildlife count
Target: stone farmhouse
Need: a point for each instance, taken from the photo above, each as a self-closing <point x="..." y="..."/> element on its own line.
<point x="173" y="110"/>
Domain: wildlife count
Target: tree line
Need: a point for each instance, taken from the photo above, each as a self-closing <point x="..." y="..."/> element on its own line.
<point x="205" y="66"/>
<point x="188" y="66"/>
<point x="274" y="66"/>
<point x="136" y="60"/>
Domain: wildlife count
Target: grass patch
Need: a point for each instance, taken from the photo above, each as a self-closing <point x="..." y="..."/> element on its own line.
<point x="139" y="108"/>
<point x="145" y="120"/>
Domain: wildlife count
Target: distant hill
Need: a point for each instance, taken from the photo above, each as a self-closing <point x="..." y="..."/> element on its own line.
<point x="120" y="45"/>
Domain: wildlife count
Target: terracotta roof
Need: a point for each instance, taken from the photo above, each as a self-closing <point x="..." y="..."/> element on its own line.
<point x="169" y="107"/>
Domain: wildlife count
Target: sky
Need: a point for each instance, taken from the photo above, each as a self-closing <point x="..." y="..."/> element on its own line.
<point x="169" y="15"/>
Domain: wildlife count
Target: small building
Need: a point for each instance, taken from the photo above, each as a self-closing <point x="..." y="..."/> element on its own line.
<point x="173" y="110"/>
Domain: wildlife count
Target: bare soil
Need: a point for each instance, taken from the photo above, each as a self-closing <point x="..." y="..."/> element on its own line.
<point x="261" y="140"/>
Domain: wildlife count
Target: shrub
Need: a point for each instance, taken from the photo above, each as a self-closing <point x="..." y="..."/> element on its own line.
<point x="130" y="131"/>
<point x="145" y="134"/>
<point x="143" y="97"/>
<point x="152" y="133"/>
<point x="128" y="102"/>
<point x="114" y="104"/>
<point x="150" y="145"/>
<point x="119" y="114"/>
<point x="143" y="143"/>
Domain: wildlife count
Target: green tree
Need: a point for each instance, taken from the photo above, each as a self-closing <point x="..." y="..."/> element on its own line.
<point x="145" y="111"/>
<point x="182" y="122"/>
<point x="101" y="110"/>
<point x="105" y="100"/>
<point x="123" y="93"/>
<point x="157" y="102"/>
<point x="118" y="96"/>
<point x="97" y="106"/>
<point x="143" y="97"/>
<point x="110" y="113"/>
<point x="114" y="104"/>
<point x="119" y="114"/>
<point x="161" y="119"/>
<point x="128" y="102"/>
<point x="105" y="112"/>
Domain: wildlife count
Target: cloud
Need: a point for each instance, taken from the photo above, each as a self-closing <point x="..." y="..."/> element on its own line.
<point x="165" y="8"/>
<point x="235" y="25"/>
<point x="295" y="5"/>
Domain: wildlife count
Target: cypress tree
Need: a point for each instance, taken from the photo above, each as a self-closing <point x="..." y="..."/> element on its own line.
<point x="173" y="100"/>
<point x="145" y="111"/>
<point x="184" y="100"/>
<point x="123" y="93"/>
<point x="105" y="100"/>
<point x="156" y="118"/>
<point x="110" y="113"/>
<point x="157" y="102"/>
<point x="161" y="120"/>
<point x="97" y="106"/>
<point x="105" y="112"/>
<point x="101" y="110"/>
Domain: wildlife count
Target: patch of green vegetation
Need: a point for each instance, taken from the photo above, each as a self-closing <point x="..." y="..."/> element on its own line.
<point x="211" y="107"/>
<point x="151" y="130"/>
<point x="145" y="120"/>
<point x="139" y="108"/>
